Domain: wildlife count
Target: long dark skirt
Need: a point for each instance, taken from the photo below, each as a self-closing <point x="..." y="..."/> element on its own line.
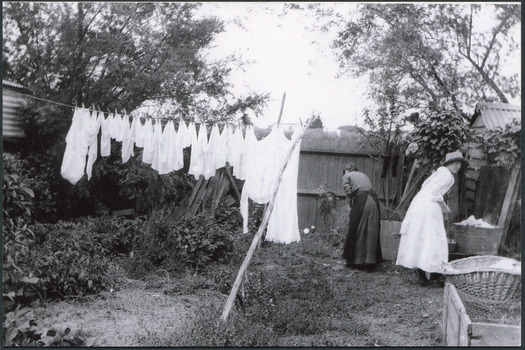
<point x="362" y="242"/>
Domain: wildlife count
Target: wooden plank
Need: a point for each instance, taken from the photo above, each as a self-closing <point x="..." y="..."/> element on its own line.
<point x="483" y="334"/>
<point x="222" y="188"/>
<point x="510" y="199"/>
<point x="458" y="320"/>
<point x="232" y="181"/>
<point x="198" y="200"/>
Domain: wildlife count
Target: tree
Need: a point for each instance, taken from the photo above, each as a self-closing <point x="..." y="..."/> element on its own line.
<point x="317" y="123"/>
<point x="114" y="56"/>
<point x="425" y="48"/>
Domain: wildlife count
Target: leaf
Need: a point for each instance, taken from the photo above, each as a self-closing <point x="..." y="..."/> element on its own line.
<point x="29" y="191"/>
<point x="31" y="280"/>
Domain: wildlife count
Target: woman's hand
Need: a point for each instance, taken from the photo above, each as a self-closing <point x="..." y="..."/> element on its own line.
<point x="444" y="207"/>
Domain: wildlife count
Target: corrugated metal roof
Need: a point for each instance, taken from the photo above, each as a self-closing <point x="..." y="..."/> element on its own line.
<point x="494" y="115"/>
<point x="12" y="129"/>
<point x="12" y="84"/>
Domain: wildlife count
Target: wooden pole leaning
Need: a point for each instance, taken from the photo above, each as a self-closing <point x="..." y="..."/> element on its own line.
<point x="264" y="223"/>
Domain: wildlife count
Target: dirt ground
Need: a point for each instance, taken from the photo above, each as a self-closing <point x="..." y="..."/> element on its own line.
<point x="386" y="307"/>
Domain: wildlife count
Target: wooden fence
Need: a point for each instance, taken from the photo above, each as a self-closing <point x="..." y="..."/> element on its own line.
<point x="321" y="163"/>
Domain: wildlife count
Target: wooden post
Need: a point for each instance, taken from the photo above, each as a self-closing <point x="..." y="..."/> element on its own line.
<point x="509" y="201"/>
<point x="258" y="235"/>
<point x="232" y="180"/>
<point x="281" y="111"/>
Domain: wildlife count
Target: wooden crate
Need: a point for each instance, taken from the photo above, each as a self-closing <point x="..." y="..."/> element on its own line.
<point x="459" y="330"/>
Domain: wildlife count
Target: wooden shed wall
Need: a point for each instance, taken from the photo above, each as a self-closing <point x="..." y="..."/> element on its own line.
<point x="321" y="163"/>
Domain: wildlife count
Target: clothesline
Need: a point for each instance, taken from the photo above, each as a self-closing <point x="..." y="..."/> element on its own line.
<point x="145" y="116"/>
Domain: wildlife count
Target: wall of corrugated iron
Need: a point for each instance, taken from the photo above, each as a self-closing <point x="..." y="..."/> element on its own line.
<point x="11" y="124"/>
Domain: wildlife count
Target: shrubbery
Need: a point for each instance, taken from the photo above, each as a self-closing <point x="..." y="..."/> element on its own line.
<point x="192" y="242"/>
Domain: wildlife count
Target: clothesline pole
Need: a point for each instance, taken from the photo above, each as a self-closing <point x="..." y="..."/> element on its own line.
<point x="258" y="235"/>
<point x="281" y="111"/>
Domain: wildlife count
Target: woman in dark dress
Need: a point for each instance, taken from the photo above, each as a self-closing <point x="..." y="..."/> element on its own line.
<point x="362" y="249"/>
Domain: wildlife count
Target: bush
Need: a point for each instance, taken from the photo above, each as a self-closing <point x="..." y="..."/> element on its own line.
<point x="192" y="242"/>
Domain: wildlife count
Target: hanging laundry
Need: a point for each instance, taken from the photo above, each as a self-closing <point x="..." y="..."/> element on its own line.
<point x="235" y="146"/>
<point x="128" y="138"/>
<point x="198" y="148"/>
<point x="74" y="160"/>
<point x="140" y="131"/>
<point x="157" y="151"/>
<point x="118" y="128"/>
<point x="283" y="225"/>
<point x="168" y="148"/>
<point x="105" y="137"/>
<point x="92" y="128"/>
<point x="184" y="134"/>
<point x="210" y="160"/>
<point x="241" y="163"/>
<point x="227" y="134"/>
<point x="265" y="159"/>
<point x="147" y="152"/>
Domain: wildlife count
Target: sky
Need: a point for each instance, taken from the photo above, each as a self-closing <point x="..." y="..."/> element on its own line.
<point x="285" y="60"/>
<point x="286" y="57"/>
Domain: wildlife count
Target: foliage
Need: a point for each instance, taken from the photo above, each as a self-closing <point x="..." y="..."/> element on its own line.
<point x="432" y="53"/>
<point x="317" y="123"/>
<point x="18" y="238"/>
<point x="502" y="145"/>
<point x="17" y="201"/>
<point x="435" y="134"/>
<point x="20" y="328"/>
<point x="328" y="202"/>
<point x="190" y="242"/>
<point x="114" y="55"/>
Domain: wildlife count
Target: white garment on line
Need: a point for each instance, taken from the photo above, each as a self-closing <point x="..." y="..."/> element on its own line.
<point x="157" y="144"/>
<point x="240" y="171"/>
<point x="168" y="149"/>
<point x="92" y="128"/>
<point x="74" y="159"/>
<point x="265" y="159"/>
<point x="139" y="131"/>
<point x="105" y="137"/>
<point x="211" y="157"/>
<point x="147" y="152"/>
<point x="128" y="138"/>
<point x="198" y="149"/>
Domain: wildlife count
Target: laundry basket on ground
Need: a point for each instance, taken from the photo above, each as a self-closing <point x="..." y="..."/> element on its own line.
<point x="489" y="285"/>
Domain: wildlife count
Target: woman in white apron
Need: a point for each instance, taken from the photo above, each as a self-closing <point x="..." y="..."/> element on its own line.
<point x="424" y="242"/>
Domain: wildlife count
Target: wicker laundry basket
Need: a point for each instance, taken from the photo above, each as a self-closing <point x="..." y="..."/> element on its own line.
<point x="478" y="277"/>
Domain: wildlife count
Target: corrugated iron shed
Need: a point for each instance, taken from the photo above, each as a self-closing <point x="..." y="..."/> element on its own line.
<point x="12" y="100"/>
<point x="494" y="115"/>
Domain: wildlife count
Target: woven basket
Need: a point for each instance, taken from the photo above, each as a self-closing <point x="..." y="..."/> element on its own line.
<point x="477" y="277"/>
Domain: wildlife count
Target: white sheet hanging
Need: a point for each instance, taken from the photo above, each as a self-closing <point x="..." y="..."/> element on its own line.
<point x="157" y="146"/>
<point x="74" y="159"/>
<point x="147" y="152"/>
<point x="264" y="159"/>
<point x="211" y="153"/>
<point x="198" y="147"/>
<point x="105" y="137"/>
<point x="92" y="127"/>
<point x="283" y="225"/>
<point x="168" y="149"/>
<point x="128" y="138"/>
<point x="140" y="131"/>
<point x="243" y="148"/>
